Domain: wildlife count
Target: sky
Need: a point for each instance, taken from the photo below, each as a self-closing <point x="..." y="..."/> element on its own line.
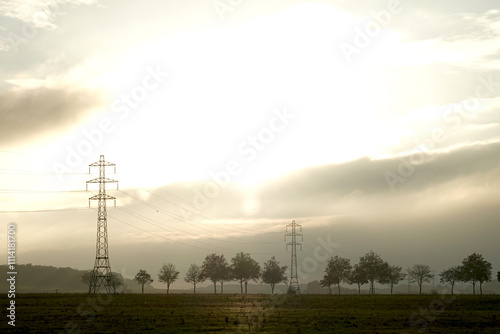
<point x="374" y="125"/>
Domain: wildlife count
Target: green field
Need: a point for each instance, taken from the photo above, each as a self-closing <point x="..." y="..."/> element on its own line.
<point x="135" y="313"/>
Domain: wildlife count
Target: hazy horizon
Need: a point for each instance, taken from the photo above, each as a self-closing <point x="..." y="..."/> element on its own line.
<point x="374" y="126"/>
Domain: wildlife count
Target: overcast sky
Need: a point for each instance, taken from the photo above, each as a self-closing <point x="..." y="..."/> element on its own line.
<point x="374" y="126"/>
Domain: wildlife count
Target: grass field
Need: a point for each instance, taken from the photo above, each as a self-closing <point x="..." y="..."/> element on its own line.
<point x="135" y="313"/>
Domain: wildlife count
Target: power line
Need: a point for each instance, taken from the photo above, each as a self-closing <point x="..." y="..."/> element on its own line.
<point x="46" y="210"/>
<point x="188" y="203"/>
<point x="186" y="220"/>
<point x="23" y="153"/>
<point x="32" y="172"/>
<point x="198" y="214"/>
<point x="153" y="222"/>
<point x="27" y="191"/>
<point x="178" y="241"/>
<point x="172" y="215"/>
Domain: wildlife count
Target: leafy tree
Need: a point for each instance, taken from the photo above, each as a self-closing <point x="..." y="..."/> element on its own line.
<point x="168" y="275"/>
<point x="358" y="276"/>
<point x="226" y="276"/>
<point x="374" y="267"/>
<point x="451" y="276"/>
<point x="115" y="281"/>
<point x="214" y="268"/>
<point x="244" y="269"/>
<point x="273" y="273"/>
<point x="337" y="271"/>
<point x="194" y="276"/>
<point x="420" y="273"/>
<point x="498" y="276"/>
<point x="394" y="275"/>
<point x="475" y="269"/>
<point x="143" y="278"/>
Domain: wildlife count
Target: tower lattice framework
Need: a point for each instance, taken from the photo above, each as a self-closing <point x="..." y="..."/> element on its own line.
<point x="102" y="270"/>
<point x="294" y="277"/>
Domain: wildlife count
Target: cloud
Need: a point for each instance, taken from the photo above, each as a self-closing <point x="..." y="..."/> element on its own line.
<point x="38" y="14"/>
<point x="351" y="188"/>
<point x="33" y="113"/>
<point x="467" y="40"/>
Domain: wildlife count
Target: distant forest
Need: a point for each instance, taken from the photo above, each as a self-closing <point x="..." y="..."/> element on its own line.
<point x="39" y="278"/>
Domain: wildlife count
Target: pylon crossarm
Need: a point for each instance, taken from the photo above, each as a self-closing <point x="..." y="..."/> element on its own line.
<point x="102" y="180"/>
<point x="101" y="196"/>
<point x="102" y="163"/>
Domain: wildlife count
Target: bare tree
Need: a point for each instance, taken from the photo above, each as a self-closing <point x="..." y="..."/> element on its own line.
<point x="194" y="276"/>
<point x="143" y="278"/>
<point x="87" y="277"/>
<point x="273" y="274"/>
<point x="168" y="275"/>
<point x="115" y="281"/>
<point x="419" y="274"/>
<point x="394" y="275"/>
<point x="451" y="276"/>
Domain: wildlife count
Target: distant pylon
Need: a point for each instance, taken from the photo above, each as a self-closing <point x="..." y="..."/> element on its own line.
<point x="294" y="277"/>
<point x="102" y="270"/>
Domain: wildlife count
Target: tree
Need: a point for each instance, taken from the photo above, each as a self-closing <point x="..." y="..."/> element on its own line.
<point x="358" y="276"/>
<point x="273" y="273"/>
<point x="337" y="271"/>
<point x="214" y="268"/>
<point x="193" y="276"/>
<point x="168" y="275"/>
<point x="115" y="281"/>
<point x="225" y="276"/>
<point x="475" y="269"/>
<point x="419" y="274"/>
<point x="394" y="275"/>
<point x="244" y="269"/>
<point x="87" y="277"/>
<point x="143" y="278"/>
<point x="374" y="267"/>
<point x="498" y="276"/>
<point x="451" y="276"/>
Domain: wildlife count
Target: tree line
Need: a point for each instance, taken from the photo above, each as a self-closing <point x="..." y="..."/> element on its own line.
<point x="371" y="268"/>
<point x="215" y="268"/>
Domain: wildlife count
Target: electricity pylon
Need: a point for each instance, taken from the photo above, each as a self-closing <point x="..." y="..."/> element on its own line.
<point x="102" y="270"/>
<point x="294" y="277"/>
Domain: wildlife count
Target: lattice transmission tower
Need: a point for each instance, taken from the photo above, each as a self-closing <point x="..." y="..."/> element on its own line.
<point x="294" y="277"/>
<point x="102" y="270"/>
